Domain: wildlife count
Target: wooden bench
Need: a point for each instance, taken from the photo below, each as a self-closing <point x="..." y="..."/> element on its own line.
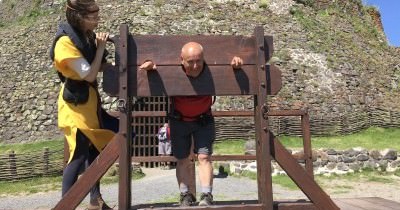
<point x="256" y="78"/>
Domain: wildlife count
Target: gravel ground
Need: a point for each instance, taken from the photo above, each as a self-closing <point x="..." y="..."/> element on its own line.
<point x="157" y="186"/>
<point x="160" y="186"/>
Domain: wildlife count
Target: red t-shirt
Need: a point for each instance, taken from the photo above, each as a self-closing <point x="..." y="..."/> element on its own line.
<point x="192" y="106"/>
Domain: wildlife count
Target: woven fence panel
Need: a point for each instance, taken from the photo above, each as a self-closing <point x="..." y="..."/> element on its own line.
<point x="15" y="166"/>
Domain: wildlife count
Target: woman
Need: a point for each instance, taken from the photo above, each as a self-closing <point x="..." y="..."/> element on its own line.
<point x="78" y="54"/>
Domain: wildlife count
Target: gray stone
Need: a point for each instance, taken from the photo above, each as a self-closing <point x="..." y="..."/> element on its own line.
<point x="389" y="154"/>
<point x="342" y="167"/>
<point x="347" y="159"/>
<point x="331" y="166"/>
<point x="375" y="154"/>
<point x="372" y="164"/>
<point x="331" y="152"/>
<point x="395" y="164"/>
<point x="354" y="166"/>
<point x="362" y="157"/>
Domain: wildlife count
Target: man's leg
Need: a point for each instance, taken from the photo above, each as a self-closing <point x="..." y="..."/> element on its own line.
<point x="204" y="137"/>
<point x="205" y="173"/>
<point x="182" y="174"/>
<point x="181" y="143"/>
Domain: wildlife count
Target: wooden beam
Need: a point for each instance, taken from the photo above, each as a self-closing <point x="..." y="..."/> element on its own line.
<point x="172" y="81"/>
<point x="125" y="121"/>
<point x="264" y="179"/>
<point x="302" y="179"/>
<point x="92" y="174"/>
<point x="166" y="49"/>
<point x="163" y="81"/>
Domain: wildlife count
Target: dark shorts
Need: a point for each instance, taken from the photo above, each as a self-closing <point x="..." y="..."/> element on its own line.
<point x="182" y="133"/>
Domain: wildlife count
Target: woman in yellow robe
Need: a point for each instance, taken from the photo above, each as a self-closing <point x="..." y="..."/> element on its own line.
<point x="78" y="54"/>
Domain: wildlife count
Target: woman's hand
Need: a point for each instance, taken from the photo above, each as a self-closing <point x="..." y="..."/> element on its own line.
<point x="101" y="40"/>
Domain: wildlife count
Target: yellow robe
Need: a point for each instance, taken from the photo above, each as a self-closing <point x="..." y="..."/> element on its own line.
<point x="83" y="116"/>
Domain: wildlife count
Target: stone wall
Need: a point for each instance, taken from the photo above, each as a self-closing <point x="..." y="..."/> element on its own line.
<point x="350" y="75"/>
<point x="332" y="161"/>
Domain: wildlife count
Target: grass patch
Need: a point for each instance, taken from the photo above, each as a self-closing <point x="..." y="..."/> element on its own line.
<point x="371" y="138"/>
<point x="281" y="180"/>
<point x="35" y="185"/>
<point x="367" y="175"/>
<point x="284" y="181"/>
<point x="231" y="147"/>
<point x="31" y="146"/>
<point x="46" y="184"/>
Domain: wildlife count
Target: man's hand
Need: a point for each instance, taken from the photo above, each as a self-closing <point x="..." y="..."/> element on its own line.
<point x="148" y="66"/>
<point x="236" y="62"/>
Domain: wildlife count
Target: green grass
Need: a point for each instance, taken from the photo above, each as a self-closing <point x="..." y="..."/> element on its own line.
<point x="325" y="181"/>
<point x="231" y="147"/>
<point x="46" y="184"/>
<point x="40" y="184"/>
<point x="31" y="147"/>
<point x="371" y="138"/>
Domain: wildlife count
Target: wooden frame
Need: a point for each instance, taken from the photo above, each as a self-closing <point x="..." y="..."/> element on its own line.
<point x="255" y="78"/>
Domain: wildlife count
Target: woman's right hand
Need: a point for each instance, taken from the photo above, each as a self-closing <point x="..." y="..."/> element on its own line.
<point x="101" y="40"/>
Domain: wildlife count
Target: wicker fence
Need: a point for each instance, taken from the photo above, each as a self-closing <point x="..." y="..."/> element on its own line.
<point x="14" y="167"/>
<point x="243" y="128"/>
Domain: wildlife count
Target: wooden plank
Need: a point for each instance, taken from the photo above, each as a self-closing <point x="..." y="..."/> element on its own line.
<point x="219" y="207"/>
<point x="173" y="159"/>
<point x="243" y="81"/>
<point x="166" y="49"/>
<point x="111" y="80"/>
<point x="92" y="174"/>
<point x="304" y="181"/>
<point x="274" y="79"/>
<point x="305" y="125"/>
<point x="172" y="81"/>
<point x="294" y="205"/>
<point x="272" y="113"/>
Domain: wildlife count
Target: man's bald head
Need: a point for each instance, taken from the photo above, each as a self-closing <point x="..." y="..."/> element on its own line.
<point x="191" y="48"/>
<point x="192" y="58"/>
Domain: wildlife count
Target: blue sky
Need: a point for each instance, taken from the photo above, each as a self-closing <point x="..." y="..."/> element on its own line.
<point x="390" y="15"/>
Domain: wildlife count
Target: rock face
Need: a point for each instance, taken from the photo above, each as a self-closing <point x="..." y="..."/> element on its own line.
<point x="333" y="60"/>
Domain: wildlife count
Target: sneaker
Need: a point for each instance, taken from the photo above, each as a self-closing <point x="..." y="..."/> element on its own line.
<point x="187" y="199"/>
<point x="98" y="204"/>
<point x="206" y="199"/>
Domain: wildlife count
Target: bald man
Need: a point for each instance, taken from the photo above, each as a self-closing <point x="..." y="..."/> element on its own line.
<point x="191" y="117"/>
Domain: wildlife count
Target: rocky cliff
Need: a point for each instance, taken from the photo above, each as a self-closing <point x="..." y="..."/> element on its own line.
<point x="334" y="57"/>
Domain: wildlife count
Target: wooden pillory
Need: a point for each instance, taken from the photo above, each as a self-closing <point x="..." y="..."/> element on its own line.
<point x="256" y="78"/>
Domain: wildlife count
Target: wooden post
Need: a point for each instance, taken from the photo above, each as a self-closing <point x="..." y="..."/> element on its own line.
<point x="46" y="155"/>
<point x="305" y="124"/>
<point x="264" y="179"/>
<point x="125" y="122"/>
<point x="12" y="165"/>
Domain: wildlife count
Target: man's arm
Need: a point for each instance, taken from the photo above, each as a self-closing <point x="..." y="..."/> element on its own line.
<point x="148" y="65"/>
